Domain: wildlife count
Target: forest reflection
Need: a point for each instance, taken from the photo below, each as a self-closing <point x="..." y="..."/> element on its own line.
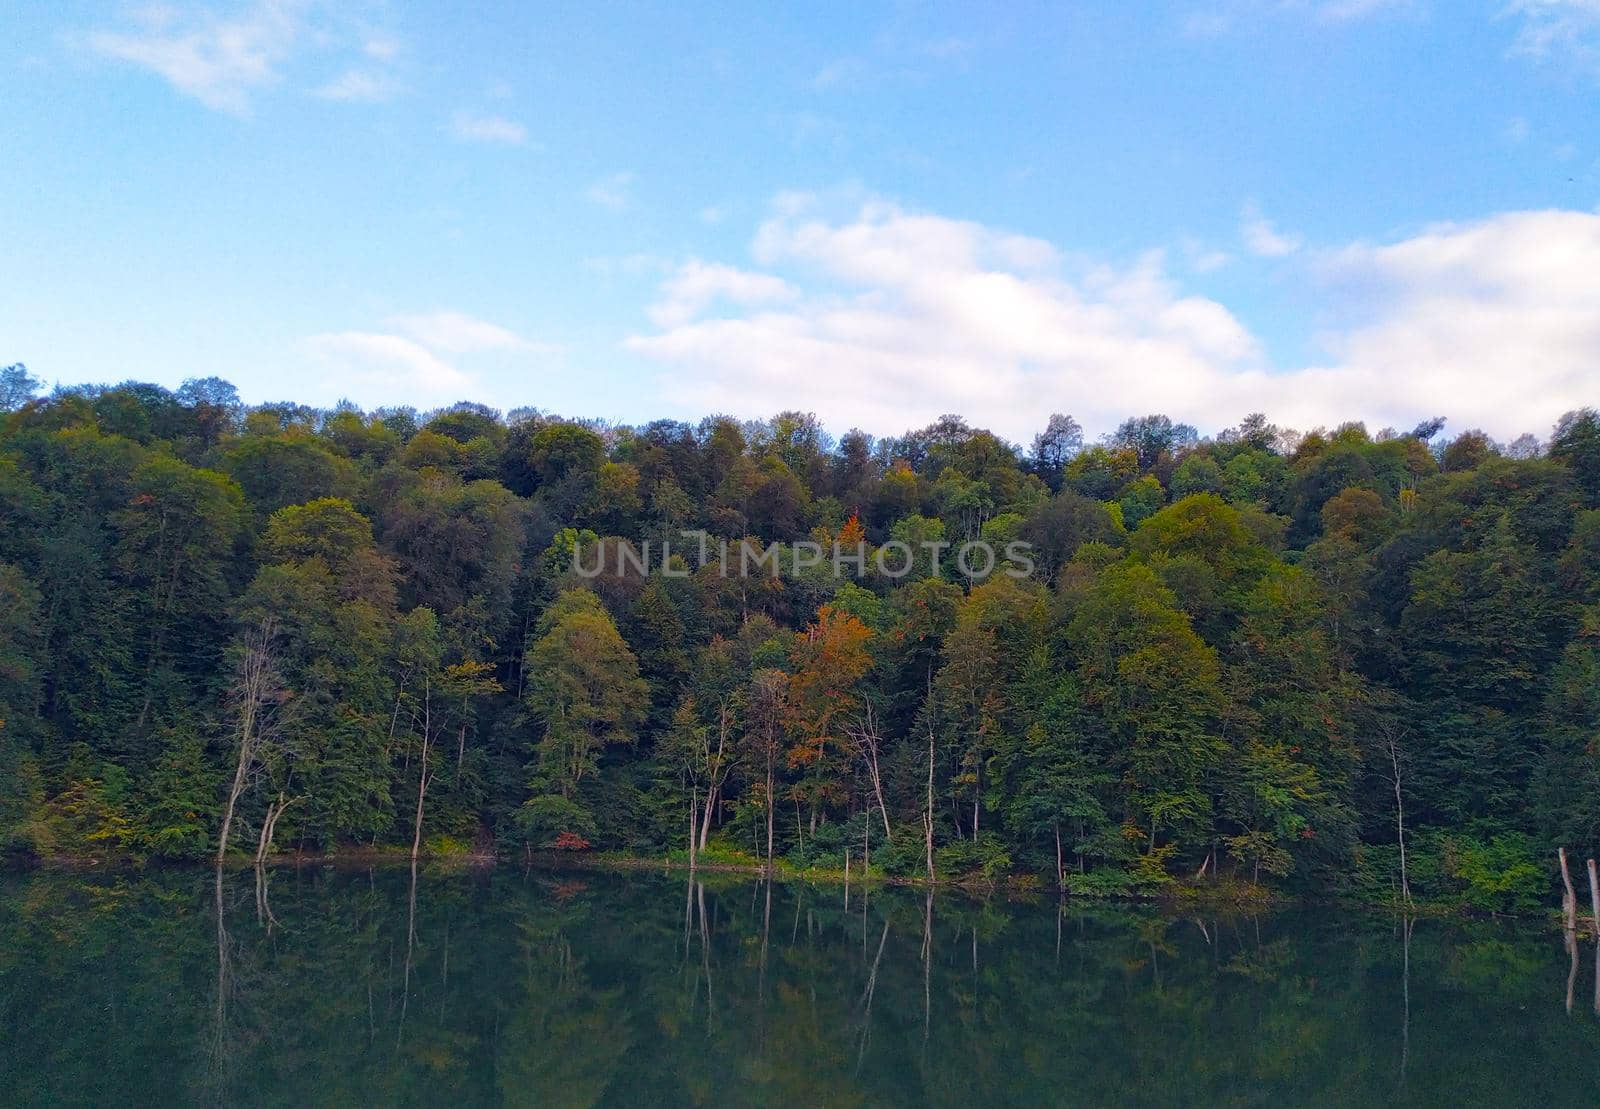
<point x="334" y="986"/>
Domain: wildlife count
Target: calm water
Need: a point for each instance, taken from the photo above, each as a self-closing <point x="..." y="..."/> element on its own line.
<point x="503" y="987"/>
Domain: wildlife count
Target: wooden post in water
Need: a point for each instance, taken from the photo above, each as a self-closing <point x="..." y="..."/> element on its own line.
<point x="1569" y="904"/>
<point x="1594" y="898"/>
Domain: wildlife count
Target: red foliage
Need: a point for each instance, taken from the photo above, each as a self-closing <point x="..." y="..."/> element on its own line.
<point x="570" y="841"/>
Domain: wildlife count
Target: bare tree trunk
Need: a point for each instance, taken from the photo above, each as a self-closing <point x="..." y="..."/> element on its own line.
<point x="1572" y="967"/>
<point x="927" y="815"/>
<point x="1061" y="874"/>
<point x="256" y="683"/>
<point x="1594" y="898"/>
<point x="269" y="825"/>
<point x="867" y="742"/>
<point x="694" y="796"/>
<point x="716" y="773"/>
<point x="423" y="777"/>
<point x="236" y="790"/>
<point x="770" y="809"/>
<point x="1400" y="819"/>
<point x="1569" y="903"/>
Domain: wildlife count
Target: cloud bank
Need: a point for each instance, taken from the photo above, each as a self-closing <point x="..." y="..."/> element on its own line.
<point x="885" y="318"/>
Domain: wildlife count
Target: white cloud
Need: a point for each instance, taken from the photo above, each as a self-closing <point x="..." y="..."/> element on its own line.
<point x="469" y="127"/>
<point x="1263" y="239"/>
<point x="218" y="61"/>
<point x="225" y="60"/>
<point x="372" y="360"/>
<point x="1559" y="30"/>
<point x="698" y="284"/>
<point x="415" y="358"/>
<point x="1223" y="16"/>
<point x="892" y="318"/>
<point x="458" y="333"/>
<point x="612" y="191"/>
<point x="384" y="48"/>
<point x="360" y="86"/>
<point x="1338" y="11"/>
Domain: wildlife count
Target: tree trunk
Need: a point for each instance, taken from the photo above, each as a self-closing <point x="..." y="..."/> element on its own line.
<point x="255" y="683"/>
<point x="705" y="821"/>
<point x="1061" y="876"/>
<point x="234" y="792"/>
<point x="769" y="816"/>
<point x="423" y="777"/>
<point x="1400" y="821"/>
<point x="1594" y="901"/>
<point x="694" y="796"/>
<point x="1569" y="903"/>
<point x="269" y="826"/>
<point x="927" y="815"/>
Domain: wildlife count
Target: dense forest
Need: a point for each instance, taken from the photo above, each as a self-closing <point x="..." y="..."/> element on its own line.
<point x="1331" y="661"/>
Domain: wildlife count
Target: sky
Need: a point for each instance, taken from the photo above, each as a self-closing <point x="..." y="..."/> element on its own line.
<point x="1323" y="210"/>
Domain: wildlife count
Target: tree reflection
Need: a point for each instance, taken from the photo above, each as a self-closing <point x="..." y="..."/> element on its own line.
<point x="428" y="986"/>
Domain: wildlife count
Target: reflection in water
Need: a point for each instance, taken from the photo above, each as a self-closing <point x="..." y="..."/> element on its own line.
<point x="531" y="988"/>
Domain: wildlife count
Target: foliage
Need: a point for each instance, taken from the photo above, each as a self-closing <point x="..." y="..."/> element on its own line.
<point x="1250" y="658"/>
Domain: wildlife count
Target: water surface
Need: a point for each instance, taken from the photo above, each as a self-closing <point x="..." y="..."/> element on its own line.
<point x="341" y="987"/>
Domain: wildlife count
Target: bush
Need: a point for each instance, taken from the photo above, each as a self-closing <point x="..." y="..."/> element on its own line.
<point x="445" y="846"/>
<point x="1104" y="882"/>
<point x="1498" y="875"/>
<point x="986" y="857"/>
<point x="1484" y="869"/>
<point x="542" y="820"/>
<point x="80" y="822"/>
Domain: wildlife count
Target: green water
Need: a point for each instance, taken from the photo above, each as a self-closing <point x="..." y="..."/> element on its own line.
<point x="343" y="987"/>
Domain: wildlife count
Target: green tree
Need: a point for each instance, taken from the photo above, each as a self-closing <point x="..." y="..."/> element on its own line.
<point x="583" y="689"/>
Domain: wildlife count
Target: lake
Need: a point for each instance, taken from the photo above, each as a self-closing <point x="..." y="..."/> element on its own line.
<point x="329" y="986"/>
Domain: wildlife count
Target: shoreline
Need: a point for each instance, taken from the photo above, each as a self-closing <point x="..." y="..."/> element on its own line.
<point x="1181" y="895"/>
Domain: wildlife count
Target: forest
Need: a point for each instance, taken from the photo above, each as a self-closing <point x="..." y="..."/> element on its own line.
<point x="1330" y="662"/>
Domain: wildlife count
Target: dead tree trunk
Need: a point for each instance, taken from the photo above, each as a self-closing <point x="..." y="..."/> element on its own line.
<point x="770" y="810"/>
<point x="867" y="742"/>
<point x="269" y="825"/>
<point x="927" y="814"/>
<point x="717" y="767"/>
<point x="1393" y="745"/>
<point x="1569" y="903"/>
<point x="1594" y="898"/>
<point x="1061" y="875"/>
<point x="254" y="690"/>
<point x="694" y="799"/>
<point x="424" y="777"/>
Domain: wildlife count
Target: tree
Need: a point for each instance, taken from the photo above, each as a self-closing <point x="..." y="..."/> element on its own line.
<point x="1576" y="444"/>
<point x="16" y="387"/>
<point x="1154" y="687"/>
<point x="766" y="714"/>
<point x="583" y="688"/>
<point x="829" y="659"/>
<point x="1061" y="438"/>
<point x="258" y="698"/>
<point x="174" y="539"/>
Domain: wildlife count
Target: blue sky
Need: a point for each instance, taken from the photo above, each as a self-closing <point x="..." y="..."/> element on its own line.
<point x="1324" y="209"/>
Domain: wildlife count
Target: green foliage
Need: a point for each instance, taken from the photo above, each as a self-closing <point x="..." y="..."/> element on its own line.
<point x="986" y="858"/>
<point x="1233" y="654"/>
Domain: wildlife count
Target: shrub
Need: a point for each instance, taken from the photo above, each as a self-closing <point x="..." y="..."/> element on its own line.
<point x="965" y="858"/>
